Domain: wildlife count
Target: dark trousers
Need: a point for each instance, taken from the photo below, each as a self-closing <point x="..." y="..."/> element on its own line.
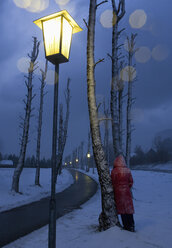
<point x="128" y="222"/>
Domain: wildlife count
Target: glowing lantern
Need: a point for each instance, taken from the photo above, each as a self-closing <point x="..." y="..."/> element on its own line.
<point x="57" y="34"/>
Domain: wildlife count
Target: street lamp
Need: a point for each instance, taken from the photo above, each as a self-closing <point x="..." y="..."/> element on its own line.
<point x="57" y="31"/>
<point x="88" y="155"/>
<point x="76" y="160"/>
<point x="88" y="161"/>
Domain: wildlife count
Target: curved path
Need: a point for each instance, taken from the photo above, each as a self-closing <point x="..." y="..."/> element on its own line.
<point x="20" y="221"/>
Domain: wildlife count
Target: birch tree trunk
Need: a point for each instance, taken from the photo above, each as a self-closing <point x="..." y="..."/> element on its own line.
<point x="131" y="70"/>
<point x="106" y="134"/>
<point x="37" y="175"/>
<point x="60" y="141"/>
<point x="24" y="141"/>
<point x="108" y="216"/>
<point x="120" y="105"/>
<point x="118" y="14"/>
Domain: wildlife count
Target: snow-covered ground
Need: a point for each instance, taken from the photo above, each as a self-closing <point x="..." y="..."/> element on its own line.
<point x="153" y="218"/>
<point x="29" y="191"/>
<point x="166" y="166"/>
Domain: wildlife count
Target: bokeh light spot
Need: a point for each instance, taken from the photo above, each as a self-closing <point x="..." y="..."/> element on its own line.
<point x="108" y="18"/>
<point x="143" y="54"/>
<point x="138" y="19"/>
<point x="22" y="3"/>
<point x="23" y="64"/>
<point x="160" y="53"/>
<point x="128" y="73"/>
<point x="38" y="5"/>
<point x="62" y="2"/>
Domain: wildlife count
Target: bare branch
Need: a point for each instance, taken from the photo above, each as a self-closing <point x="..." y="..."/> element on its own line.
<point x="119" y="32"/>
<point x="101" y="3"/>
<point x="99" y="61"/>
<point x="99" y="106"/>
<point x="119" y="47"/>
<point x="86" y="24"/>
<point x="121" y="7"/>
<point x="110" y="56"/>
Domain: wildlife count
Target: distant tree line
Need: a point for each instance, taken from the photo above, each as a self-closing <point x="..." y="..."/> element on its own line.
<point x="30" y="162"/>
<point x="161" y="152"/>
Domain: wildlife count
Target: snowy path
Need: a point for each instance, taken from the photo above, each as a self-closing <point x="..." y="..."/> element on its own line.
<point x="153" y="218"/>
<point x="25" y="219"/>
<point x="30" y="192"/>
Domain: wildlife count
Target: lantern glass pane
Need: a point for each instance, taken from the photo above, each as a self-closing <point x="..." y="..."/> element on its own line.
<point x="52" y="29"/>
<point x="66" y="38"/>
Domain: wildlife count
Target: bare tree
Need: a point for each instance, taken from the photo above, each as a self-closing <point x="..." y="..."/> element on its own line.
<point x="60" y="141"/>
<point x="106" y="134"/>
<point x="63" y="128"/>
<point x="120" y="89"/>
<point x="42" y="94"/>
<point x="26" y="120"/>
<point x="108" y="216"/>
<point x="131" y="71"/>
<point x="118" y="13"/>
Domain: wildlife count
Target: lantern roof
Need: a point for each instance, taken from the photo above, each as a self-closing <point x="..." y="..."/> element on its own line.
<point x="76" y="27"/>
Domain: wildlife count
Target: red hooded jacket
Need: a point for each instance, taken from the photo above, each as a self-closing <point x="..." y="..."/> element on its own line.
<point x="122" y="182"/>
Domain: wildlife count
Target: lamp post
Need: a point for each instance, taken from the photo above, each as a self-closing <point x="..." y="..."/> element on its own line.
<point x="57" y="31"/>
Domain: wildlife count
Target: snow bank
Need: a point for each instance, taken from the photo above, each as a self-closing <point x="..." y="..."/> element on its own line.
<point x="30" y="192"/>
<point x="164" y="167"/>
<point x="153" y="218"/>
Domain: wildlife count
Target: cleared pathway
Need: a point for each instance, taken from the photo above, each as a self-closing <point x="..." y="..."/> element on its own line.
<point x="20" y="221"/>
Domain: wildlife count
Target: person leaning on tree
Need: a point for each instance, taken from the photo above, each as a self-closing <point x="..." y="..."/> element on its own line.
<point x="122" y="182"/>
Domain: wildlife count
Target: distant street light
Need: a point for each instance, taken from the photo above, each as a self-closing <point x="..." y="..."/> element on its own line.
<point x="77" y="160"/>
<point x="88" y="161"/>
<point x="57" y="31"/>
<point x="88" y="155"/>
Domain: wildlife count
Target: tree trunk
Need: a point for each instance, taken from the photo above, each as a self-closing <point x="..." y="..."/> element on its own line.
<point x="131" y="51"/>
<point x="29" y="85"/>
<point x="106" y="134"/>
<point x="108" y="217"/>
<point x="119" y="13"/>
<point x="62" y="137"/>
<point x="37" y="175"/>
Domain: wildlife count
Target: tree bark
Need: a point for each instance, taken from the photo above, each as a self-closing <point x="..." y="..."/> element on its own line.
<point x="106" y="134"/>
<point x="37" y="175"/>
<point x="108" y="216"/>
<point x="63" y="128"/>
<point x="131" y="51"/>
<point x="119" y="13"/>
<point x="29" y="85"/>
